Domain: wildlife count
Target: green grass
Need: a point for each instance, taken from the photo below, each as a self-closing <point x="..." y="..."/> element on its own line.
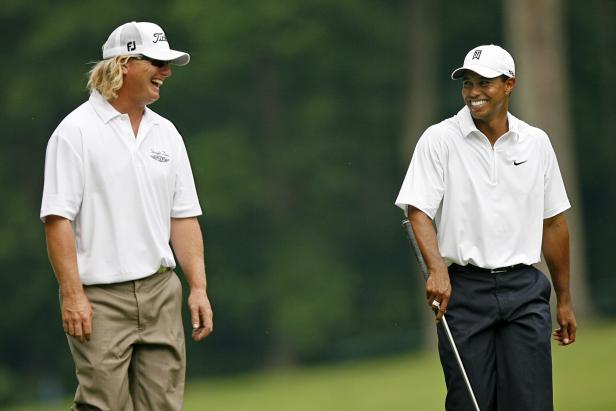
<point x="582" y="378"/>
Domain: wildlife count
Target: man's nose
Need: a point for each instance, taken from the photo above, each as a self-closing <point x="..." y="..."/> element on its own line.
<point x="165" y="70"/>
<point x="473" y="90"/>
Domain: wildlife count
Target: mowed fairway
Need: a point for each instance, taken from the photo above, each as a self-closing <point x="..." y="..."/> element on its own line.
<point x="582" y="374"/>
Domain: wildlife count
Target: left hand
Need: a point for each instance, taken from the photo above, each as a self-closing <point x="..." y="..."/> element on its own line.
<point x="565" y="335"/>
<point x="201" y="316"/>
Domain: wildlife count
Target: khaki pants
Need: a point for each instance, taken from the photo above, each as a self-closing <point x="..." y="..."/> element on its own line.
<point x="135" y="359"/>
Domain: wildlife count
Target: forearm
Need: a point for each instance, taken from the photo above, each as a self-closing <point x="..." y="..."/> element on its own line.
<point x="438" y="286"/>
<point x="76" y="308"/>
<point x="62" y="254"/>
<point x="555" y="249"/>
<point x="425" y="235"/>
<point x="187" y="243"/>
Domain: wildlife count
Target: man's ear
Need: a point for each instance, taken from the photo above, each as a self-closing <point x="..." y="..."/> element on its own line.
<point x="509" y="85"/>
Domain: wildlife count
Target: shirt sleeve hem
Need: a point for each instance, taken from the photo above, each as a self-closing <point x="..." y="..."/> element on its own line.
<point x="427" y="210"/>
<point x="555" y="211"/>
<point x="186" y="213"/>
<point x="60" y="213"/>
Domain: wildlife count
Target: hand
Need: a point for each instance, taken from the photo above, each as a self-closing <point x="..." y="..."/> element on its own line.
<point x="438" y="288"/>
<point x="201" y="316"/>
<point x="77" y="316"/>
<point x="565" y="335"/>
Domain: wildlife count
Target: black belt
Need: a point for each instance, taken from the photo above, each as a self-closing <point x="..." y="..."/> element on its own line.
<point x="475" y="269"/>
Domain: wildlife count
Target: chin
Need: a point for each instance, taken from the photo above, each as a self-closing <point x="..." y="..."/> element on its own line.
<point x="480" y="115"/>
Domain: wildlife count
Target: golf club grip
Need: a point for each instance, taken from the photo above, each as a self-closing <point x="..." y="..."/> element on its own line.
<point x="411" y="236"/>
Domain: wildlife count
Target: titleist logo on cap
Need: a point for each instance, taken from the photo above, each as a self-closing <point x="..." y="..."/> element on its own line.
<point x="159" y="37"/>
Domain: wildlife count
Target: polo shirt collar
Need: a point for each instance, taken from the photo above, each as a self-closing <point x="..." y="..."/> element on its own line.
<point x="102" y="107"/>
<point x="107" y="112"/>
<point x="467" y="125"/>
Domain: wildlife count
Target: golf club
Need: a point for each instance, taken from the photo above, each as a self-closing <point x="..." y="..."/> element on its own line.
<point x="424" y="270"/>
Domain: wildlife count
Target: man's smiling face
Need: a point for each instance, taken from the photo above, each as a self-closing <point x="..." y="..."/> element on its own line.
<point x="485" y="97"/>
<point x="143" y="79"/>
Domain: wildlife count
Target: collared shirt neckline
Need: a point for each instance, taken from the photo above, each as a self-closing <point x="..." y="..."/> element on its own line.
<point x="107" y="112"/>
<point x="467" y="125"/>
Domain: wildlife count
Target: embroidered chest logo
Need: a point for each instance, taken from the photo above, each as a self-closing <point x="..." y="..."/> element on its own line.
<point x="160" y="156"/>
<point x="517" y="163"/>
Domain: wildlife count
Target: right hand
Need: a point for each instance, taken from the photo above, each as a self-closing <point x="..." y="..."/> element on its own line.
<point x="77" y="316"/>
<point x="438" y="288"/>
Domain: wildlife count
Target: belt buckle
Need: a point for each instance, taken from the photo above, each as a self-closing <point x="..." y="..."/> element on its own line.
<point x="498" y="270"/>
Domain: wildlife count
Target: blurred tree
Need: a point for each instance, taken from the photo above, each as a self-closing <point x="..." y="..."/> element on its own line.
<point x="591" y="58"/>
<point x="422" y="105"/>
<point x="536" y="34"/>
<point x="602" y="216"/>
<point x="423" y="90"/>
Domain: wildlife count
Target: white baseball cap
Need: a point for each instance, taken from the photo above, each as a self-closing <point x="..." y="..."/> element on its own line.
<point x="141" y="38"/>
<point x="488" y="61"/>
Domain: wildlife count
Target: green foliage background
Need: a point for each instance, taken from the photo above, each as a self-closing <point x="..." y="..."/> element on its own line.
<point x="293" y="114"/>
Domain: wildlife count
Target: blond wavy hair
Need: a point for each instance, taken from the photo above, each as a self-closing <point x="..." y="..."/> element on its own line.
<point x="106" y="77"/>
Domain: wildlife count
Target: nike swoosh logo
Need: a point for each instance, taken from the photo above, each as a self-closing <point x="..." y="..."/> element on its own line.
<point x="515" y="163"/>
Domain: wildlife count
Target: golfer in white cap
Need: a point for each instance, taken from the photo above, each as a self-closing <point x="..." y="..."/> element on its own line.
<point x="118" y="196"/>
<point x="485" y="198"/>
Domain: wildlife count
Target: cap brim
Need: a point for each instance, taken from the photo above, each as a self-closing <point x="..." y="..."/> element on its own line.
<point x="179" y="58"/>
<point x="482" y="71"/>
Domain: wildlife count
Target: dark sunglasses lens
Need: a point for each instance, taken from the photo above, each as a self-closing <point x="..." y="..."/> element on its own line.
<point x="155" y="63"/>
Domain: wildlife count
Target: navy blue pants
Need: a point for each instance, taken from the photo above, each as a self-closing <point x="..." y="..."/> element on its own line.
<point x="502" y="326"/>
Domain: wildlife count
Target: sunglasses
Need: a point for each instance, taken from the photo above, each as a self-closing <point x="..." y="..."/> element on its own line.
<point x="154" y="62"/>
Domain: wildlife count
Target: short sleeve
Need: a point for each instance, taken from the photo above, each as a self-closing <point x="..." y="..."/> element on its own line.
<point x="555" y="195"/>
<point x="424" y="184"/>
<point x="185" y="199"/>
<point x="63" y="181"/>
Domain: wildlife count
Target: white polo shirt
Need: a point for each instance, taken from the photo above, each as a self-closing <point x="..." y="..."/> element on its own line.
<point x="488" y="203"/>
<point x="120" y="192"/>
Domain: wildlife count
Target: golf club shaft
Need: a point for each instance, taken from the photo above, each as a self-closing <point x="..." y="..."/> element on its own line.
<point x="424" y="271"/>
<point x="462" y="370"/>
